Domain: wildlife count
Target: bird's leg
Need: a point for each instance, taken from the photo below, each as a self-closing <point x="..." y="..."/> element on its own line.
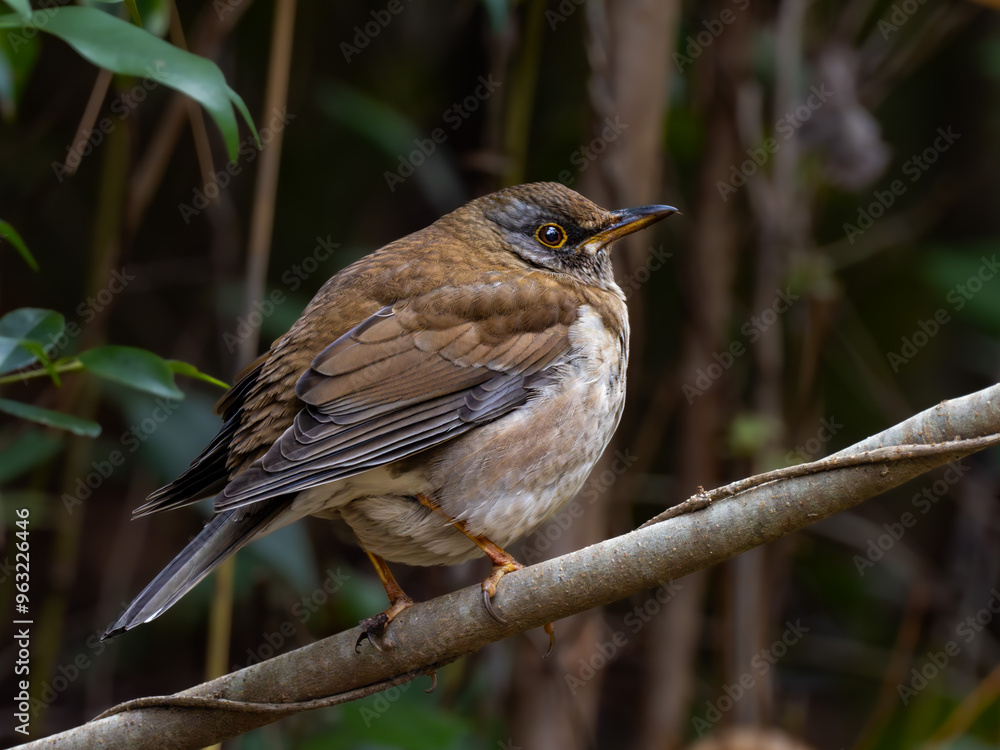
<point x="374" y="627"/>
<point x="503" y="563"/>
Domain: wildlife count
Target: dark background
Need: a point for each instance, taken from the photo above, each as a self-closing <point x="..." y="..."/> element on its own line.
<point x="696" y="91"/>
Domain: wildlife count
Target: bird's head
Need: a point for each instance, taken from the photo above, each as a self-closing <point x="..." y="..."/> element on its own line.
<point x="549" y="226"/>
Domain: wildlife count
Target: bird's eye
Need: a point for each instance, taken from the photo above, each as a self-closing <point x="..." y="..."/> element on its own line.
<point x="551" y="235"/>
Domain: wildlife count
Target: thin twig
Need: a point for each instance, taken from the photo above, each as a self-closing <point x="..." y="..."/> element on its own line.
<point x="90" y="112"/>
<point x="280" y="709"/>
<point x="703" y="499"/>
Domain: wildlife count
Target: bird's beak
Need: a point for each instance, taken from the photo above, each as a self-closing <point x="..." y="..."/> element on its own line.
<point x="629" y="220"/>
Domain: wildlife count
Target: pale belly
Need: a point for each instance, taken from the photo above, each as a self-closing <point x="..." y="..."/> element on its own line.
<point x="503" y="479"/>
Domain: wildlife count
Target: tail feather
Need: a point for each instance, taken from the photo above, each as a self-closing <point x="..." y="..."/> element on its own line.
<point x="220" y="538"/>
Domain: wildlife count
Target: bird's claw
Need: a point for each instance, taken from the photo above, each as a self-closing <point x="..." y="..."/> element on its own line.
<point x="501" y="568"/>
<point x="373" y="629"/>
<point x="552" y="640"/>
<point x="488" y="601"/>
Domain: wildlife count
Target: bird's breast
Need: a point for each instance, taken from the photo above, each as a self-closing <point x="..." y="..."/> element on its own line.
<point x="506" y="478"/>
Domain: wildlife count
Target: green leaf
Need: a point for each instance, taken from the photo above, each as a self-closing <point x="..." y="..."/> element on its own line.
<point x="30" y="449"/>
<point x="183" y="368"/>
<point x="10" y="234"/>
<point x="50" y="418"/>
<point x="8" y="89"/>
<point x="22" y="7"/>
<point x="748" y="433"/>
<point x="136" y="368"/>
<point x="40" y="354"/>
<point x="120" y="47"/>
<point x="27" y="324"/>
<point x="133" y="11"/>
<point x="17" y="59"/>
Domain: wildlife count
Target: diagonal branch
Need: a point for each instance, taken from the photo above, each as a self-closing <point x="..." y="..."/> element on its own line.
<point x="434" y="633"/>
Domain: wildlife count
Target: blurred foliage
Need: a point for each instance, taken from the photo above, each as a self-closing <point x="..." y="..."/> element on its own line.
<point x="122" y="48"/>
<point x="27" y="335"/>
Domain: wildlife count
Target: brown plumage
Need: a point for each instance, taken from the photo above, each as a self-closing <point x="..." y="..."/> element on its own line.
<point x="441" y="396"/>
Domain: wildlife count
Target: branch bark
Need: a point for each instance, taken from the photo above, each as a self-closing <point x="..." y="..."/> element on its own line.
<point x="720" y="525"/>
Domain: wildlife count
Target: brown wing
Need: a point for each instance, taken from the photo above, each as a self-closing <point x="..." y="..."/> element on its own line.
<point x="410" y="377"/>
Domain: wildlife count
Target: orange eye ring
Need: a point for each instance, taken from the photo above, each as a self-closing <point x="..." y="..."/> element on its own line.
<point x="551" y="235"/>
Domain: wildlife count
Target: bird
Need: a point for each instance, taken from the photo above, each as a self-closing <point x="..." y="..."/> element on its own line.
<point x="439" y="398"/>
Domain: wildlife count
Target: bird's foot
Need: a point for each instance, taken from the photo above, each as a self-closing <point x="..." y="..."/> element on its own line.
<point x="503" y="563"/>
<point x="490" y="588"/>
<point x="373" y="629"/>
<point x="501" y="567"/>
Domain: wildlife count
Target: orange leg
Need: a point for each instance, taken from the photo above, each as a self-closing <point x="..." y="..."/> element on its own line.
<point x="398" y="601"/>
<point x="503" y="563"/>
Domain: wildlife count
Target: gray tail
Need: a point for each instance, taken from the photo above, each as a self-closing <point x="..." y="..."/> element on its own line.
<point x="220" y="538"/>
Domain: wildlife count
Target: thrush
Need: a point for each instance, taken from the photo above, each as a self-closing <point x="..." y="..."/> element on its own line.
<point x="440" y="397"/>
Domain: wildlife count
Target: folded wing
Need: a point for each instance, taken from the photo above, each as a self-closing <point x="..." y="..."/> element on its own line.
<point x="412" y="376"/>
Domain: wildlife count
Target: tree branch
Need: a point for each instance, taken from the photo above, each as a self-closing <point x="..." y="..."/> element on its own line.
<point x="431" y="634"/>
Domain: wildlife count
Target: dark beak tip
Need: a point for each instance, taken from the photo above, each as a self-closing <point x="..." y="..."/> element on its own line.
<point x="643" y="216"/>
<point x="663" y="211"/>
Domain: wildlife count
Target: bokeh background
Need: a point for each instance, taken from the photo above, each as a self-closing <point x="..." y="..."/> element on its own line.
<point x="834" y="271"/>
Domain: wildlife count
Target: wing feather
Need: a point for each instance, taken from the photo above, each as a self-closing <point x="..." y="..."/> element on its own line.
<point x="408" y="378"/>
